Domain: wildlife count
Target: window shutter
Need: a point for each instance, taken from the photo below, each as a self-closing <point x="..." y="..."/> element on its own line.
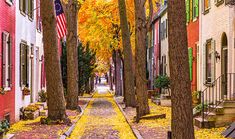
<point x="4" y="44"/>
<point x="203" y="6"/>
<point x="166" y="28"/>
<point x="30" y="8"/>
<point x="190" y="10"/>
<point x="197" y="7"/>
<point x="21" y="63"/>
<point x="32" y="11"/>
<point x="190" y="54"/>
<point x="204" y="63"/>
<point x="21" y="5"/>
<point x="160" y="31"/>
<point x="27" y="60"/>
<point x="187" y="10"/>
<point x="213" y="64"/>
<point x="10" y="61"/>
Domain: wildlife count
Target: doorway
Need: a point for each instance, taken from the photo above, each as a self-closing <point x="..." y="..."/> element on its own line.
<point x="224" y="65"/>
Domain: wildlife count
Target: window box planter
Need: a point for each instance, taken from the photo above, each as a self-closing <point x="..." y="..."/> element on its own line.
<point x="26" y="91"/>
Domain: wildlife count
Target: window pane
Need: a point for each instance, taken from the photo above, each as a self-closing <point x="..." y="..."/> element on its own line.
<point x="207" y="4"/>
<point x="208" y="61"/>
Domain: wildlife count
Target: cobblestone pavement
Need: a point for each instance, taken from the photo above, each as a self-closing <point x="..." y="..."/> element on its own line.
<point x="102" y="119"/>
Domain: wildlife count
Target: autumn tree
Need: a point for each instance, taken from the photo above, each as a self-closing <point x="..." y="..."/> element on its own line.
<point x="56" y="100"/>
<point x="129" y="91"/>
<point x="141" y="29"/>
<point x="72" y="8"/>
<point x="182" y="116"/>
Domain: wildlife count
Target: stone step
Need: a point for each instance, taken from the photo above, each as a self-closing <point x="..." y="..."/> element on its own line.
<point x="229" y="110"/>
<point x="223" y="120"/>
<point x="46" y="108"/>
<point x="203" y="124"/>
<point x="216" y="109"/>
<point x="229" y="103"/>
<point x="43" y="113"/>
<point x="43" y="104"/>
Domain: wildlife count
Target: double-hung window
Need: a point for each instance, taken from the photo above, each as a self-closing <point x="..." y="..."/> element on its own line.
<point x="27" y="8"/>
<point x="206" y="5"/>
<point x="24" y="65"/>
<point x="30" y="9"/>
<point x="6" y="61"/>
<point x="208" y="61"/>
<point x="23" y="5"/>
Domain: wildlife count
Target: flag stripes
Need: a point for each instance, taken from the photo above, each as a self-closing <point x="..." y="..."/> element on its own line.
<point x="60" y="19"/>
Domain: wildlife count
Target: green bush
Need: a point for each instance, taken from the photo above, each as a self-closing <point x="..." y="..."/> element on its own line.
<point x="200" y="107"/>
<point x="162" y="81"/>
<point x="4" y="126"/>
<point x="43" y="95"/>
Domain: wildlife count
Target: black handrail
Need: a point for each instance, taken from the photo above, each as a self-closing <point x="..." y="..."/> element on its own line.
<point x="214" y="94"/>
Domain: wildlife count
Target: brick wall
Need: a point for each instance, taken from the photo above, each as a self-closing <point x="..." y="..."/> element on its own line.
<point x="7" y="101"/>
<point x="193" y="38"/>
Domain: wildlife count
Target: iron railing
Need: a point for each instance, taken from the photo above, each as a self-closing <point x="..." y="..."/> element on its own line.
<point x="217" y="92"/>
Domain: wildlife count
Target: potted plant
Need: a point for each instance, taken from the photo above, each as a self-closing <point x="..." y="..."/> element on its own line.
<point x="162" y="82"/>
<point x="2" y="92"/>
<point x="26" y="91"/>
<point x="43" y="96"/>
<point x="195" y="97"/>
<point x="4" y="126"/>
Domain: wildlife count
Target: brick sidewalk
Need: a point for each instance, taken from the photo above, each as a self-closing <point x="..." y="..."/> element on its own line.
<point x="102" y="119"/>
<point x="32" y="129"/>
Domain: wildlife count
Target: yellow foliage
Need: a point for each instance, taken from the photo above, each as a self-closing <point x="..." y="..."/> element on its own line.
<point x="22" y="125"/>
<point x="214" y="133"/>
<point x="116" y="122"/>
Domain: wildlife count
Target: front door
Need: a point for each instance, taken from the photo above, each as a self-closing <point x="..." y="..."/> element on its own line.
<point x="224" y="70"/>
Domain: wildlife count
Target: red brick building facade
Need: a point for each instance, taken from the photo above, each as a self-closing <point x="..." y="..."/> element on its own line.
<point x="7" y="60"/>
<point x="193" y="38"/>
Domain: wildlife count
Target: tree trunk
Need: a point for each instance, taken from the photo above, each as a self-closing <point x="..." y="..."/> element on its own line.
<point x="92" y="84"/>
<point x="140" y="61"/>
<point x="56" y="100"/>
<point x="182" y="115"/>
<point x="129" y="92"/>
<point x="118" y="86"/>
<point x="72" y="57"/>
<point x="111" y="78"/>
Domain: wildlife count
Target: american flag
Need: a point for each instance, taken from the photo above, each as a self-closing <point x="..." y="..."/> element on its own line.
<point x="60" y="19"/>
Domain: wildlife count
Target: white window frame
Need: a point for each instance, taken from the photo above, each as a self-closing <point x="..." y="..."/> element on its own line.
<point x="9" y="2"/>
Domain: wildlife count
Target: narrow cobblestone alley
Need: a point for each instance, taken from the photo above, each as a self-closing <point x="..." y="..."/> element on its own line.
<point x="102" y="119"/>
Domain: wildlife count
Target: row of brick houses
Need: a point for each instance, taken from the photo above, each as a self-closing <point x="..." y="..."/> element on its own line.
<point x="21" y="56"/>
<point x="211" y="48"/>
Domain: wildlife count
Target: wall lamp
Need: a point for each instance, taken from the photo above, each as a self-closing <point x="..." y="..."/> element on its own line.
<point x="217" y="55"/>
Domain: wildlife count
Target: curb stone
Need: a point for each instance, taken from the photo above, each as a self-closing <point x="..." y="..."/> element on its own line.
<point x="135" y="131"/>
<point x="69" y="131"/>
<point x="8" y="136"/>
